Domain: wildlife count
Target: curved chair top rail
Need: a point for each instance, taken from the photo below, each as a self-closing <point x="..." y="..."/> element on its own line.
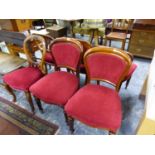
<point x="32" y="44"/>
<point x="111" y="52"/>
<point x="47" y="38"/>
<point x="86" y="44"/>
<point x="65" y="39"/>
<point x="122" y="24"/>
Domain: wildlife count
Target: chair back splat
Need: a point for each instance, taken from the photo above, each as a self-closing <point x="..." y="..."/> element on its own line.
<point x="107" y="64"/>
<point x="34" y="44"/>
<point x="67" y="53"/>
<point x="121" y="24"/>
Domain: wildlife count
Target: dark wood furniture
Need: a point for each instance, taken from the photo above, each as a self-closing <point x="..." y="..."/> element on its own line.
<point x="57" y="31"/>
<point x="19" y="25"/>
<point x="142" y="41"/>
<point x="9" y="63"/>
<point x="14" y="41"/>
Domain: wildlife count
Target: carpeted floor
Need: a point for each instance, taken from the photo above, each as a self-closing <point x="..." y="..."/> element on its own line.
<point x="133" y="107"/>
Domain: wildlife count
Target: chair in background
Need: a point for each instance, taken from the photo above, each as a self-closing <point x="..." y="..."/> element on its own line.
<point x="119" y="31"/>
<point x="21" y="79"/>
<point x="86" y="46"/>
<point x="57" y="87"/>
<point x="97" y="105"/>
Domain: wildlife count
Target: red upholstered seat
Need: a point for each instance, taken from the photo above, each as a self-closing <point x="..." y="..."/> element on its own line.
<point x="23" y="78"/>
<point x="55" y="88"/>
<point x="131" y="70"/>
<point x="96" y="106"/>
<point x="48" y="57"/>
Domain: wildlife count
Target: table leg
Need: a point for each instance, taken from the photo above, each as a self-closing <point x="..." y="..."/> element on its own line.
<point x="72" y="33"/>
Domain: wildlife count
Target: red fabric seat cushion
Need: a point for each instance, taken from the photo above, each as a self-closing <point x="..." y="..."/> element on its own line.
<point x="96" y="106"/>
<point x="55" y="88"/>
<point x="48" y="57"/>
<point x="23" y="78"/>
<point x="131" y="70"/>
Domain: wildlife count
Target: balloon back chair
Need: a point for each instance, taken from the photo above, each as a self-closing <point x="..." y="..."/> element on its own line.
<point x="57" y="87"/>
<point x="21" y="79"/>
<point x="48" y="56"/>
<point x="97" y="105"/>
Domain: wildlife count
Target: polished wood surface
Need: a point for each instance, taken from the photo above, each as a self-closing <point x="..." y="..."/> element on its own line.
<point x="144" y="24"/>
<point x="142" y="38"/>
<point x="16" y="24"/>
<point x="9" y="63"/>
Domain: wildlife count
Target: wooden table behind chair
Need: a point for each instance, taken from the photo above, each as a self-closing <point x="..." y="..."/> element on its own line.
<point x="9" y="63"/>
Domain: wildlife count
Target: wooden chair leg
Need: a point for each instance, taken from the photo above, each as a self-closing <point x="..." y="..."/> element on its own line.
<point x="109" y="43"/>
<point x="10" y="90"/>
<point x="39" y="104"/>
<point x="123" y="44"/>
<point x="66" y="118"/>
<point x="112" y="133"/>
<point x="105" y="42"/>
<point x="127" y="83"/>
<point x="98" y="82"/>
<point x="101" y="40"/>
<point x="91" y="37"/>
<point x="71" y="124"/>
<point x="96" y="37"/>
<point x="29" y="99"/>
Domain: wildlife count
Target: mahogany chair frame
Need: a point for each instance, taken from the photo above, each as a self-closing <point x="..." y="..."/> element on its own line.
<point x="110" y="51"/>
<point x="37" y="42"/>
<point x="48" y="39"/>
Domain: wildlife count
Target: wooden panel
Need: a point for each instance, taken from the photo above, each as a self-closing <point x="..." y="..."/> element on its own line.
<point x="23" y="24"/>
<point x="142" y="42"/>
<point x="141" y="51"/>
<point x="16" y="24"/>
<point x="6" y="24"/>
<point x="144" y="24"/>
